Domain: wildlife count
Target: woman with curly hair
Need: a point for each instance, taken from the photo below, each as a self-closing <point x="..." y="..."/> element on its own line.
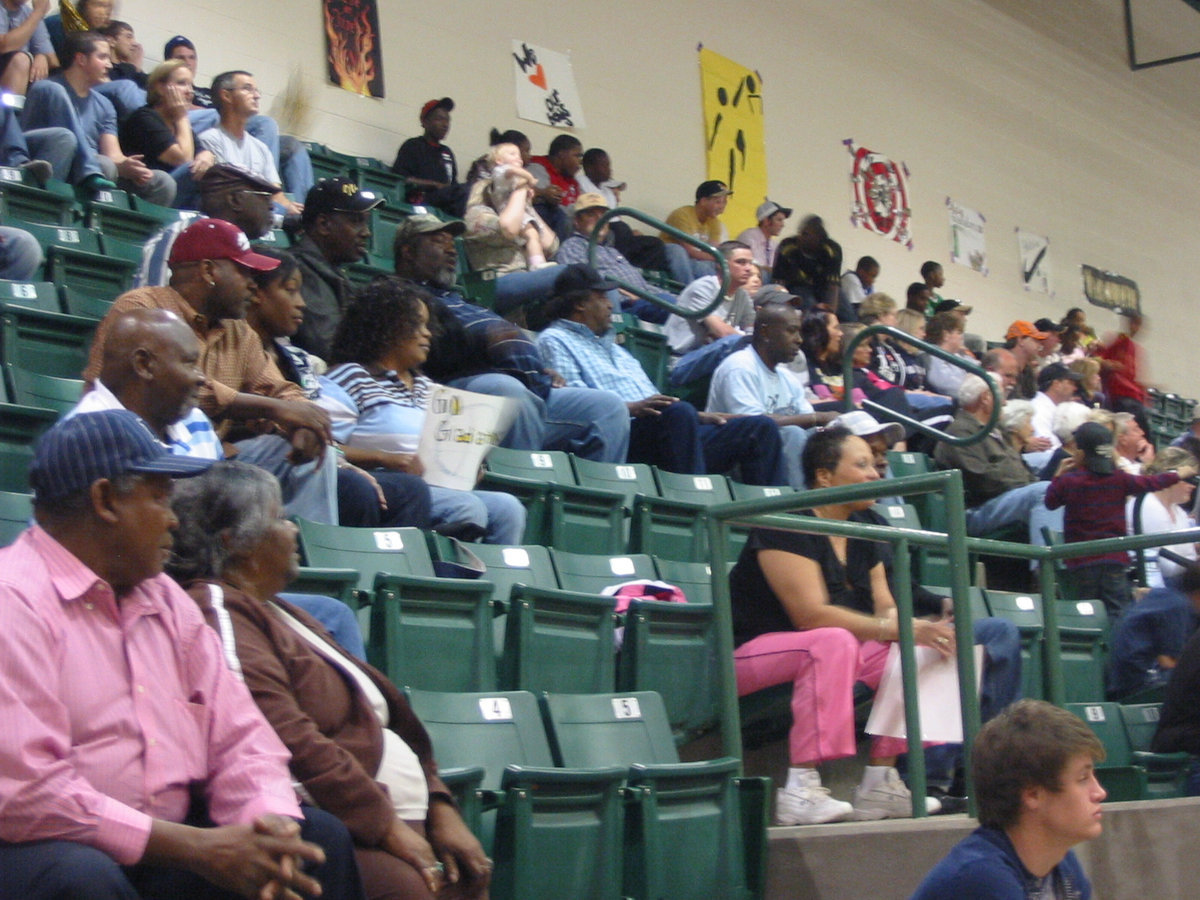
<point x="377" y="399"/>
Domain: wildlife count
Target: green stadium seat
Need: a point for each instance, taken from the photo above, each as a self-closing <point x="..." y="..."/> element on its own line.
<point x="558" y="511"/>
<point x="362" y="273"/>
<point x="46" y="342"/>
<point x="671" y="648"/>
<point x="121" y="248"/>
<point x="557" y="832"/>
<point x="650" y="349"/>
<point x="165" y="215"/>
<point x="739" y="491"/>
<point x="15" y="512"/>
<point x="327" y="163"/>
<point x="383" y="182"/>
<point x="1024" y="611"/>
<point x="685" y="830"/>
<point x="626" y="479"/>
<point x="559" y="641"/>
<point x="45" y="391"/>
<point x="52" y="205"/>
<point x="428" y="632"/>
<point x="97" y="276"/>
<point x="41" y="295"/>
<point x="1166" y="773"/>
<point x="693" y="578"/>
<point x="674" y="524"/>
<point x="20" y="426"/>
<point x="1083" y="639"/>
<point x="590" y="573"/>
<point x="1118" y="774"/>
<point x="121" y="222"/>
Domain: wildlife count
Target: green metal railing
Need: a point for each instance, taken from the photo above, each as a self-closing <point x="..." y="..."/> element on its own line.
<point x="891" y="415"/>
<point x="682" y="237"/>
<point x="769" y="513"/>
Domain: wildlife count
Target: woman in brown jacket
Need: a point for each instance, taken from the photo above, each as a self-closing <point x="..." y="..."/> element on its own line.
<point x="358" y="750"/>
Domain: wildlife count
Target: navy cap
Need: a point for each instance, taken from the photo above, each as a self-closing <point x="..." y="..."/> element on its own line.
<point x="1056" y="372"/>
<point x="90" y="446"/>
<point x="581" y="277"/>
<point x="178" y="41"/>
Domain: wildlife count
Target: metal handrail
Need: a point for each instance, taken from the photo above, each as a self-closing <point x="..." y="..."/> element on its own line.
<point x="768" y="513"/>
<point x="722" y="265"/>
<point x="892" y="415"/>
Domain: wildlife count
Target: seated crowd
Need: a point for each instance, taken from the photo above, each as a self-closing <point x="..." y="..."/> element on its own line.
<point x="271" y="386"/>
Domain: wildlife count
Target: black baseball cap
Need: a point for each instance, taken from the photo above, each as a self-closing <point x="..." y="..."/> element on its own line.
<point x="581" y="277"/>
<point x="1096" y="443"/>
<point x="330" y="195"/>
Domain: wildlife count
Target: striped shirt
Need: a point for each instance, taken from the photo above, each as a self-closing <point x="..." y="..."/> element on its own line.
<point x="110" y="710"/>
<point x="374" y="412"/>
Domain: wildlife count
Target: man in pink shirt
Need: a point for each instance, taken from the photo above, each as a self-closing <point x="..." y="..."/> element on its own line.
<point x="133" y="762"/>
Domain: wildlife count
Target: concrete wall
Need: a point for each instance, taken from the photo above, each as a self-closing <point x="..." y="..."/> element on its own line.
<point x="1023" y="111"/>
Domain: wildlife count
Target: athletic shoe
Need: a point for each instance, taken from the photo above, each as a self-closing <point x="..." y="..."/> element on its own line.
<point x="809" y="805"/>
<point x="890" y="800"/>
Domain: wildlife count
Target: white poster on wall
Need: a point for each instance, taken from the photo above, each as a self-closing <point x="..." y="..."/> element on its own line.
<point x="545" y="87"/>
<point x="460" y="428"/>
<point x="967" y="244"/>
<point x="1033" y="251"/>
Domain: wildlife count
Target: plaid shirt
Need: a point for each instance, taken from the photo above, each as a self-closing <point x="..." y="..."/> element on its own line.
<point x="231" y="354"/>
<point x="585" y="359"/>
<point x="610" y="262"/>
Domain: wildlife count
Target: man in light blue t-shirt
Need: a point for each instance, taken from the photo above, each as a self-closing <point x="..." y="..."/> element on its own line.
<point x="752" y="382"/>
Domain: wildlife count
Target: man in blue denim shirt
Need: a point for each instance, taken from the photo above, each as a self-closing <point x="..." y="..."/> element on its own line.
<point x="1038" y="797"/>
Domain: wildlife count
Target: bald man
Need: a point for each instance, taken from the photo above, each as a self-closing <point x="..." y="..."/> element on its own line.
<point x="151" y="366"/>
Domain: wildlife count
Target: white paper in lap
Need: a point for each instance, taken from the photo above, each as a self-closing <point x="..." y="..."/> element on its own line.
<point x="937" y="691"/>
<point x="460" y="428"/>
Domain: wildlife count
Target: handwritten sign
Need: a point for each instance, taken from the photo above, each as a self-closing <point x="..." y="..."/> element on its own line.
<point x="460" y="428"/>
<point x="545" y="87"/>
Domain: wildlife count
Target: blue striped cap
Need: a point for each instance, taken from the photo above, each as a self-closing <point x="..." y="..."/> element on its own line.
<point x="88" y="447"/>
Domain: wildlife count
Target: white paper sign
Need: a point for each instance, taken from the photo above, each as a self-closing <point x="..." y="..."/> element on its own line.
<point x="545" y="87"/>
<point x="1034" y="251"/>
<point x="968" y="246"/>
<point x="937" y="691"/>
<point x="460" y="428"/>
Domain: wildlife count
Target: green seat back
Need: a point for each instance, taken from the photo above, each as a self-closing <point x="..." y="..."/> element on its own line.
<point x="559" y="641"/>
<point x="398" y="551"/>
<point x="608" y="729"/>
<point x="626" y="479"/>
<point x="28" y="203"/>
<point x="1024" y="611"/>
<point x="339" y="583"/>
<point x="1117" y="774"/>
<point x="20" y="426"/>
<point x="1083" y="638"/>
<point x="95" y="275"/>
<point x="15" y="513"/>
<point x="41" y="295"/>
<point x="591" y="574"/>
<point x="739" y="491"/>
<point x="45" y="391"/>
<point x="122" y="223"/>
<point x="45" y="342"/>
<point x="693" y="578"/>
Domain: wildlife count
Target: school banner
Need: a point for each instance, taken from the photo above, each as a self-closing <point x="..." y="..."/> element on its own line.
<point x="968" y="244"/>
<point x="352" y="51"/>
<point x="733" y="135"/>
<point x="545" y="87"/>
<point x="1110" y="290"/>
<point x="460" y="428"/>
<point x="879" y="194"/>
<point x="1033" y="250"/>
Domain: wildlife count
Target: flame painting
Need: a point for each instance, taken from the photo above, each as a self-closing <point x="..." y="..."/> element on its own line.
<point x="353" y="52"/>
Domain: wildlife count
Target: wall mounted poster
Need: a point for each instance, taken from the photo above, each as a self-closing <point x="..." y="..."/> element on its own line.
<point x="879" y="194"/>
<point x="1033" y="251"/>
<point x="733" y="135"/>
<point x="545" y="86"/>
<point x="968" y="246"/>
<point x="353" y="55"/>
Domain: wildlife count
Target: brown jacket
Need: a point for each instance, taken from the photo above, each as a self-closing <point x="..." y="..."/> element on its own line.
<point x="321" y="716"/>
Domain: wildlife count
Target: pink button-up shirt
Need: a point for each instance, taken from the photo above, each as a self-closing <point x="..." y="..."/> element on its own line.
<point x="109" y="711"/>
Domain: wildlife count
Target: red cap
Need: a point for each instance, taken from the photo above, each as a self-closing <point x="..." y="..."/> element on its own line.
<point x="217" y="239"/>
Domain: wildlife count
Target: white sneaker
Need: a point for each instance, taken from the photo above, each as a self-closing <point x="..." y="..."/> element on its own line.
<point x="890" y="800"/>
<point x="809" y="805"/>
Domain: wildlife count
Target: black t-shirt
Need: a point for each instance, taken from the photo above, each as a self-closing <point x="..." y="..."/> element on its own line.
<point x="417" y="158"/>
<point x="147" y="132"/>
<point x="756" y="609"/>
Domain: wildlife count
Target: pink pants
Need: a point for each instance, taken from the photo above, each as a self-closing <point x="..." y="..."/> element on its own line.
<point x="822" y="665"/>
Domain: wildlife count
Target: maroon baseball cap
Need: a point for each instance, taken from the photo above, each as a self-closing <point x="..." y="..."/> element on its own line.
<point x="217" y="239"/>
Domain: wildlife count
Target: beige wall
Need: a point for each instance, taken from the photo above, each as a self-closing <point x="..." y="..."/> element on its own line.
<point x="1015" y="119"/>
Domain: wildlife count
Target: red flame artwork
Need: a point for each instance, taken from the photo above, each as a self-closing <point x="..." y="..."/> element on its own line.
<point x="352" y="33"/>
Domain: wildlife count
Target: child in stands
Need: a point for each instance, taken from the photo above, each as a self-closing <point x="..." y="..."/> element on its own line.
<point x="507" y="175"/>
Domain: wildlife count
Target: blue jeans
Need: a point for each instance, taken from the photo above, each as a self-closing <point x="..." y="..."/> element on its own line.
<point x="309" y="490"/>
<point x="592" y="424"/>
<point x="55" y="870"/>
<point x="703" y="360"/>
<point x="516" y="289"/>
<point x="48" y="106"/>
<point x="794" y="438"/>
<point x="498" y="517"/>
<point x="124" y="95"/>
<point x="1022" y="504"/>
<point x="339" y="620"/>
<point x="679" y="264"/>
<point x="20" y="255"/>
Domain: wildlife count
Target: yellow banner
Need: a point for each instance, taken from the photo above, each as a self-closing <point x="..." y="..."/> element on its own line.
<point x="733" y="134"/>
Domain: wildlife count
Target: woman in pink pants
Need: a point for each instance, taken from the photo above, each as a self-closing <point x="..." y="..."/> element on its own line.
<point x="816" y="611"/>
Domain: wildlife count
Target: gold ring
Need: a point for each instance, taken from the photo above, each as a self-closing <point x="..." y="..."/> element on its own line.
<point x="943" y="640"/>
